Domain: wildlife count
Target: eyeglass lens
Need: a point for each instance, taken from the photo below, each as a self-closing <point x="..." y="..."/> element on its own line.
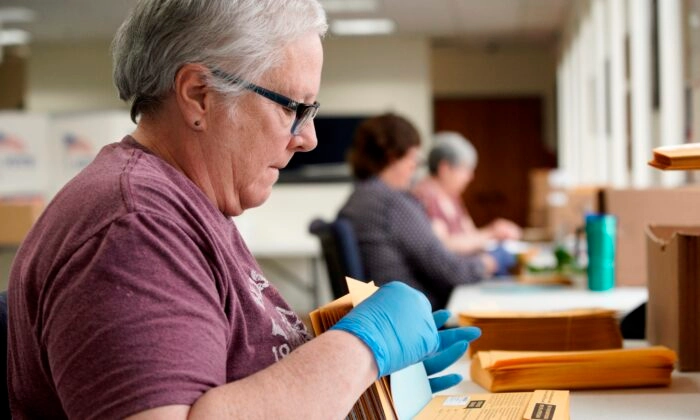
<point x="304" y="114"/>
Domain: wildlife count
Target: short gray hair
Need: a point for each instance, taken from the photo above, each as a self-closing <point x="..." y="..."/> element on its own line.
<point x="243" y="37"/>
<point x="452" y="147"/>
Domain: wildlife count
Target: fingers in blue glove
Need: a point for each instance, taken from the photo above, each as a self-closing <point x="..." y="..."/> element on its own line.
<point x="445" y="358"/>
<point x="453" y="345"/>
<point x="443" y="382"/>
<point x="440" y="317"/>
<point x="396" y="324"/>
<point x="453" y="335"/>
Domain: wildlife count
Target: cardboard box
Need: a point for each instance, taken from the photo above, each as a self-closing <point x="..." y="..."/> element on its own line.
<point x="637" y="209"/>
<point x="567" y="210"/>
<point x="555" y="206"/>
<point x="16" y="219"/>
<point x="540" y="187"/>
<point x="544" y="182"/>
<point x="673" y="309"/>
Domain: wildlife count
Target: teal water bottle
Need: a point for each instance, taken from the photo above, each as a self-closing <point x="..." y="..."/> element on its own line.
<point x="600" y="238"/>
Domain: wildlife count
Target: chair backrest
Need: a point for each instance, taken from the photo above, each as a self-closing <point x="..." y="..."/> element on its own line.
<point x="340" y="252"/>
<point x="4" y="397"/>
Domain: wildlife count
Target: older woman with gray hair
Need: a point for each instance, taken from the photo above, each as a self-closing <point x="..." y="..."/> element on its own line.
<point x="451" y="162"/>
<point x="134" y="295"/>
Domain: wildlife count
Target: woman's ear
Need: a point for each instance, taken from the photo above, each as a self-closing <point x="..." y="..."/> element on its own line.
<point x="193" y="95"/>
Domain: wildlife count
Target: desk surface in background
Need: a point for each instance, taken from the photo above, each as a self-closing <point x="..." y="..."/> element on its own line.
<point x="507" y="295"/>
<point x="679" y="401"/>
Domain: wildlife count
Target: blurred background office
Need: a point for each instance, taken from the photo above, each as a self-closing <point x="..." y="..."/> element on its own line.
<point x="554" y="94"/>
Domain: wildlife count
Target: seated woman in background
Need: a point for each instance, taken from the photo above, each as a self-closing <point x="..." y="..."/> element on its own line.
<point x="395" y="236"/>
<point x="451" y="163"/>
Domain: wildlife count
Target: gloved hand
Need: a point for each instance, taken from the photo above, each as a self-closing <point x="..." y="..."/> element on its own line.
<point x="453" y="345"/>
<point x="504" y="259"/>
<point x="397" y="325"/>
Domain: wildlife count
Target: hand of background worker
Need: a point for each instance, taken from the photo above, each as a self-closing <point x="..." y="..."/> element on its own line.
<point x="490" y="263"/>
<point x="502" y="229"/>
<point x="505" y="261"/>
<point x="397" y="324"/>
<point x="453" y="345"/>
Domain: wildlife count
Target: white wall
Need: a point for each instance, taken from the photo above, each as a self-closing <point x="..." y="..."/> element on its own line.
<point x="360" y="76"/>
<point x="379" y="74"/>
<point x="465" y="71"/>
<point x="75" y="77"/>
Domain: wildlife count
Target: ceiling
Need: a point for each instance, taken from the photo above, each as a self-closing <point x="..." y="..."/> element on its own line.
<point x="484" y="22"/>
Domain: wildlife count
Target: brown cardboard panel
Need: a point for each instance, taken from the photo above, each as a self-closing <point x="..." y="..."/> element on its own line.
<point x="540" y="187"/>
<point x="662" y="324"/>
<point x="558" y="209"/>
<point x="15" y="221"/>
<point x="673" y="308"/>
<point x="635" y="210"/>
<point x="565" y="219"/>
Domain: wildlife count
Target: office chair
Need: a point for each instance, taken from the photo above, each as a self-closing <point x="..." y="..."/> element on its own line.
<point x="340" y="252"/>
<point x="4" y="397"/>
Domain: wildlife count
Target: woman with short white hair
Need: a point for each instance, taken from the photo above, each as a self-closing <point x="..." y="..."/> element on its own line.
<point x="134" y="295"/>
<point x="451" y="164"/>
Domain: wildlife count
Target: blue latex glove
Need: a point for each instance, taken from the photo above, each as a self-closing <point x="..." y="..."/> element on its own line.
<point x="397" y="325"/>
<point x="453" y="345"/>
<point x="504" y="259"/>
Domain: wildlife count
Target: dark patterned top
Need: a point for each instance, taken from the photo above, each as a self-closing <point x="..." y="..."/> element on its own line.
<point x="397" y="243"/>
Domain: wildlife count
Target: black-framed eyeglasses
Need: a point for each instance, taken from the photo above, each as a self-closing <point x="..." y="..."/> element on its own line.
<point x="303" y="112"/>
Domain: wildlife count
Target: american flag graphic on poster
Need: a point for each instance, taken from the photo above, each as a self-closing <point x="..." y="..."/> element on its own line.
<point x="10" y="143"/>
<point x="16" y="159"/>
<point x="78" y="152"/>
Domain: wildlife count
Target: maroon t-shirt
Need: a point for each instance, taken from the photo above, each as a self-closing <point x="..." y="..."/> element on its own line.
<point x="133" y="291"/>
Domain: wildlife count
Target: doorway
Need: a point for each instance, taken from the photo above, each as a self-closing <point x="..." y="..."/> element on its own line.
<point x="507" y="133"/>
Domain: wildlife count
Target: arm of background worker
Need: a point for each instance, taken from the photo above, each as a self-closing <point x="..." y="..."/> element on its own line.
<point x="426" y="253"/>
<point x="503" y="229"/>
<point x="320" y="380"/>
<point x="466" y="244"/>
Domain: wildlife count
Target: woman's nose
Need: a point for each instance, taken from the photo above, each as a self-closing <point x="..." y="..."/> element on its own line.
<point x="306" y="140"/>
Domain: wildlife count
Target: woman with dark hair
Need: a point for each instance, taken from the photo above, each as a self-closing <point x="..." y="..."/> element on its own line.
<point x="394" y="234"/>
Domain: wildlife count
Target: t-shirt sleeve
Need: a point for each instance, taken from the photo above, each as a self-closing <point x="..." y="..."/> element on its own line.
<point x="136" y="321"/>
<point x="424" y="250"/>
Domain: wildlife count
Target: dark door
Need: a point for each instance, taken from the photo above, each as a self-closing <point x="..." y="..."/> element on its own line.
<point x="507" y="134"/>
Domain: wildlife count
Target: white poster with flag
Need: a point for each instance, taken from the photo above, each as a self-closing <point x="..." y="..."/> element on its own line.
<point x="24" y="154"/>
<point x="77" y="138"/>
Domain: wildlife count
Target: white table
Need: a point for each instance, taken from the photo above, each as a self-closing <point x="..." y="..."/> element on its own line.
<point x="507" y="295"/>
<point x="681" y="400"/>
